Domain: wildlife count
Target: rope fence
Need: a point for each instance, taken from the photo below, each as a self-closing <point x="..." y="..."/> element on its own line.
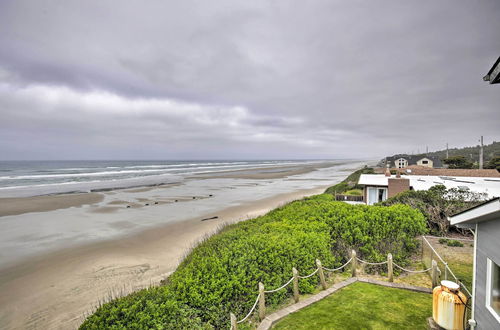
<point x="281" y="287"/>
<point x="435" y="274"/>
<point x="335" y="269"/>
<point x="412" y="271"/>
<point x="372" y="263"/>
<point x="307" y="276"/>
<point x="251" y="310"/>
<point x="261" y="296"/>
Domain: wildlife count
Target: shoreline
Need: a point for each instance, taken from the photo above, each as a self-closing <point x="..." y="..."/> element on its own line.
<point x="154" y="181"/>
<point x="56" y="289"/>
<point x="56" y="201"/>
<point x="265" y="172"/>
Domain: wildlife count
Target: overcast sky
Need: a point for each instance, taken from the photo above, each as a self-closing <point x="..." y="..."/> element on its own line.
<point x="245" y="79"/>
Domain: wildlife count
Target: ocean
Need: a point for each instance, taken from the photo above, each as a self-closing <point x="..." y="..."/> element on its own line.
<point x="30" y="178"/>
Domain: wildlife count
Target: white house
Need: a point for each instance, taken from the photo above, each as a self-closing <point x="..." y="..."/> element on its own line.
<point x="379" y="187"/>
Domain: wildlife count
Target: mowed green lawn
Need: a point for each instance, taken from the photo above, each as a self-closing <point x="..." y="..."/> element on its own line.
<point x="364" y="306"/>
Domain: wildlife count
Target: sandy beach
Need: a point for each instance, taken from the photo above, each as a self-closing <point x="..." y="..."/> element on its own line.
<point x="16" y="205"/>
<point x="263" y="173"/>
<point x="108" y="244"/>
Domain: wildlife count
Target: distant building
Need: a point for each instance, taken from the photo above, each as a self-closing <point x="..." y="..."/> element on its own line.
<point x="484" y="219"/>
<point x="403" y="161"/>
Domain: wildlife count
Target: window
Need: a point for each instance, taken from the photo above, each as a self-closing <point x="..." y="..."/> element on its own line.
<point x="376" y="195"/>
<point x="493" y="289"/>
<point x="425" y="162"/>
<point x="401" y="163"/>
<point x="381" y="195"/>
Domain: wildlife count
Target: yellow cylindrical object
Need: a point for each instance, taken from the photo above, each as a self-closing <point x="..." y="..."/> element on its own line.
<point x="448" y="306"/>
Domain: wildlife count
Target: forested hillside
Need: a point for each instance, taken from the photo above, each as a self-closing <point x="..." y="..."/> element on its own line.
<point x="472" y="153"/>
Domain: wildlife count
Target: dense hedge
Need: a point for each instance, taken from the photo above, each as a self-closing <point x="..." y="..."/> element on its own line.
<point x="222" y="273"/>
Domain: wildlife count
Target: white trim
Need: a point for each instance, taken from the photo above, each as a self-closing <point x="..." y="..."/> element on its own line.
<point x="474" y="266"/>
<point x="475" y="213"/>
<point x="489" y="269"/>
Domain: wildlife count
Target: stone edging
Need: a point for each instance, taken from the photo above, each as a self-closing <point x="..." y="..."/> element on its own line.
<point x="274" y="317"/>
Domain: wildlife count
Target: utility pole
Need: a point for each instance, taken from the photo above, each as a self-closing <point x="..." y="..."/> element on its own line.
<point x="481" y="154"/>
<point x="426" y="150"/>
<point x="447" y="153"/>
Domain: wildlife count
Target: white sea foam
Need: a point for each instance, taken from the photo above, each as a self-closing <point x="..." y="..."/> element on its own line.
<point x="121" y="172"/>
<point x="74" y="175"/>
<point x="56" y="177"/>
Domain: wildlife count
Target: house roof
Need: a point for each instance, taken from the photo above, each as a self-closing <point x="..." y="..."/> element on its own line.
<point x="486" y="211"/>
<point x="493" y="76"/>
<point x="476" y="173"/>
<point x="374" y="179"/>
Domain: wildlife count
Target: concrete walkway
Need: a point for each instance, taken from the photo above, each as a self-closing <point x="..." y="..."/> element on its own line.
<point x="268" y="322"/>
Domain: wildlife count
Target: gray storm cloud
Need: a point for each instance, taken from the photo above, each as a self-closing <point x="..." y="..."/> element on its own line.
<point x="249" y="79"/>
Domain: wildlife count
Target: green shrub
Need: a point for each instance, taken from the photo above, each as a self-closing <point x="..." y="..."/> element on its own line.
<point x="454" y="242"/>
<point x="221" y="275"/>
<point x="450" y="242"/>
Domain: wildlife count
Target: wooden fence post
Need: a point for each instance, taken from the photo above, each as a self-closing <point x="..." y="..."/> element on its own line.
<point x="262" y="302"/>
<point x="389" y="268"/>
<point x="234" y="324"/>
<point x="321" y="274"/>
<point x="434" y="274"/>
<point x="295" y="284"/>
<point x="354" y="263"/>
